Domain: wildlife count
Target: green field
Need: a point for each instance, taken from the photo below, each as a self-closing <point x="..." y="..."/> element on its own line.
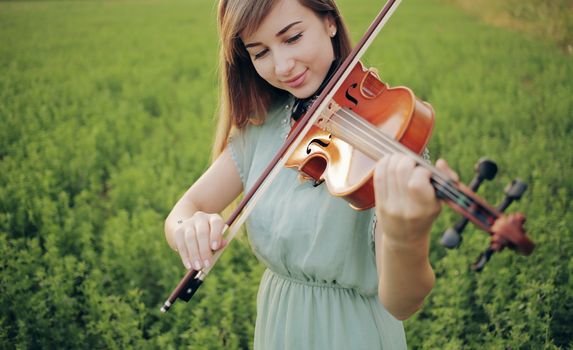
<point x="107" y="113"/>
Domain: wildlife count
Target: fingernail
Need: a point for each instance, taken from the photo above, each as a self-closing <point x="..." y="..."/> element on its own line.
<point x="207" y="263"/>
<point x="197" y="265"/>
<point x="214" y="245"/>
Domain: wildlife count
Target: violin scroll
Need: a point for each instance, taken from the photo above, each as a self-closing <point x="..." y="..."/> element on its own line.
<point x="508" y="232"/>
<point x="505" y="230"/>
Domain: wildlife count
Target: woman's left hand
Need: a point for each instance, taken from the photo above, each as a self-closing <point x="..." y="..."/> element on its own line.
<point x="406" y="203"/>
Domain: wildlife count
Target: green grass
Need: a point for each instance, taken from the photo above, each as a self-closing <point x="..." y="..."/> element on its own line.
<point x="546" y="20"/>
<point x="106" y="113"/>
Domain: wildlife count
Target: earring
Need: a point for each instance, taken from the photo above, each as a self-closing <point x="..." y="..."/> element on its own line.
<point x="332" y="34"/>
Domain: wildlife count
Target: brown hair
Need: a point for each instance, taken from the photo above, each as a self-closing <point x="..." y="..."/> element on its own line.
<point x="244" y="96"/>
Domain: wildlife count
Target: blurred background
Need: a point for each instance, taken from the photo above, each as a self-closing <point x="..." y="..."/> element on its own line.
<point x="107" y="112"/>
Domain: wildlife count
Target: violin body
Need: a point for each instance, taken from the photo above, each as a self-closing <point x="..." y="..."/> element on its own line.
<point x="346" y="170"/>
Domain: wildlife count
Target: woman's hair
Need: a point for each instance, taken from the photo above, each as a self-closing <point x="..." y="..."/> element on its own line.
<point x="244" y="96"/>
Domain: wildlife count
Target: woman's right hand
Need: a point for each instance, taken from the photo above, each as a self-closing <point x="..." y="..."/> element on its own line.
<point x="197" y="237"/>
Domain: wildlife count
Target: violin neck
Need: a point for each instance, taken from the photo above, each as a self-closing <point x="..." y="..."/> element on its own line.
<point x="463" y="200"/>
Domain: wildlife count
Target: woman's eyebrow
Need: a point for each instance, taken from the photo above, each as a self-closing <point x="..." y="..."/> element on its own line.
<point x="282" y="31"/>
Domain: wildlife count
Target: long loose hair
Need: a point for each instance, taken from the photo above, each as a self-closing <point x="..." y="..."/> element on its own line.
<point x="244" y="96"/>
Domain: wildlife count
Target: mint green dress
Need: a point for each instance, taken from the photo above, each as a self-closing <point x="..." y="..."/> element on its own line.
<point x="320" y="288"/>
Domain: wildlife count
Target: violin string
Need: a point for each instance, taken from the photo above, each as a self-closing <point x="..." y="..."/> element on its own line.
<point x="447" y="193"/>
<point x="393" y="144"/>
<point x="384" y="150"/>
<point x="446" y="187"/>
<point x="384" y="141"/>
<point x="387" y="147"/>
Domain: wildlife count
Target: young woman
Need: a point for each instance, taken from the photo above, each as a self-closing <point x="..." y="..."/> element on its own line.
<point x="336" y="278"/>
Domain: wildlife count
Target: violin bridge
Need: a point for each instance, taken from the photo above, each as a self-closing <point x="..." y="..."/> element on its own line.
<point x="326" y="114"/>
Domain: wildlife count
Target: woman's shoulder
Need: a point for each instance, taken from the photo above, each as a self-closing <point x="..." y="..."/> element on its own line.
<point x="278" y="109"/>
<point x="256" y="142"/>
<point x="278" y="112"/>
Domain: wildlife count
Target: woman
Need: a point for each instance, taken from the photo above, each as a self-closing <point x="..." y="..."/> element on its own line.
<point x="335" y="278"/>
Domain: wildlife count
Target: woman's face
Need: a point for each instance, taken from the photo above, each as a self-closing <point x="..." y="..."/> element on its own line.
<point x="292" y="49"/>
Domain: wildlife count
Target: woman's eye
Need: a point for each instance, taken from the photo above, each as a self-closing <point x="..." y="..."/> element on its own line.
<point x="290" y="40"/>
<point x="293" y="39"/>
<point x="261" y="54"/>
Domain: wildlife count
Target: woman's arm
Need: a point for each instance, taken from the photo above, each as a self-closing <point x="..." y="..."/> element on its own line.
<point x="405" y="274"/>
<point x="193" y="227"/>
<point x="406" y="207"/>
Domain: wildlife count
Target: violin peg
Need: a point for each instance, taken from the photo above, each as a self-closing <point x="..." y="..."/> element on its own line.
<point x="486" y="169"/>
<point x="482" y="259"/>
<point x="515" y="189"/>
<point x="451" y="238"/>
<point x="513" y="192"/>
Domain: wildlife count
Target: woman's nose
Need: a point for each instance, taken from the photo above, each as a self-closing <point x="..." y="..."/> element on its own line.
<point x="284" y="66"/>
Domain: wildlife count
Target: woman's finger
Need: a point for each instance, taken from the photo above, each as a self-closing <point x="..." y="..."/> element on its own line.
<point x="216" y="223"/>
<point x="380" y="180"/>
<point x="392" y="182"/>
<point x="182" y="249"/>
<point x="443" y="166"/>
<point x="192" y="248"/>
<point x="202" y="230"/>
<point x="419" y="184"/>
<point x="404" y="171"/>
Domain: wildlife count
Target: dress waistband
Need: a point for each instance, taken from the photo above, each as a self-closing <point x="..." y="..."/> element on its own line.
<point x="273" y="274"/>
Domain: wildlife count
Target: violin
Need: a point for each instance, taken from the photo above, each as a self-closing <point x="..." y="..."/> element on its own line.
<point x="344" y="145"/>
<point x="356" y="120"/>
<point x="367" y="120"/>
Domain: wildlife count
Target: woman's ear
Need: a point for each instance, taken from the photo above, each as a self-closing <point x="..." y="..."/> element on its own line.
<point x="330" y="25"/>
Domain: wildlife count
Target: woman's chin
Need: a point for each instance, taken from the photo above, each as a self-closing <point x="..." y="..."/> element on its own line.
<point x="303" y="92"/>
<point x="300" y="96"/>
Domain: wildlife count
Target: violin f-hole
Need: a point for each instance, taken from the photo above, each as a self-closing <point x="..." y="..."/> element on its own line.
<point x="321" y="143"/>
<point x="349" y="96"/>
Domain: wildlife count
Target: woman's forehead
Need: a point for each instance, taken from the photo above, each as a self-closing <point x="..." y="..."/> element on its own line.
<point x="282" y="15"/>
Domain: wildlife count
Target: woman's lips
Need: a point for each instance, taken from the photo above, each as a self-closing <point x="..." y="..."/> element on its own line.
<point x="296" y="81"/>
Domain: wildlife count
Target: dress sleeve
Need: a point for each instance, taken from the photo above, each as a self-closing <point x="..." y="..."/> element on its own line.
<point x="241" y="146"/>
